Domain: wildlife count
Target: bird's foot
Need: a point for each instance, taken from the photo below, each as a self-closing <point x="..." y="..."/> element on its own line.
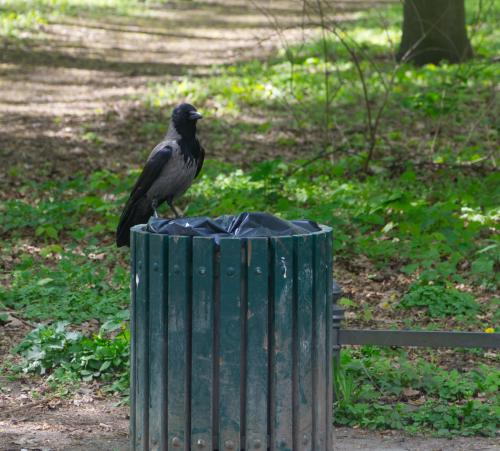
<point x="176" y="213"/>
<point x="154" y="206"/>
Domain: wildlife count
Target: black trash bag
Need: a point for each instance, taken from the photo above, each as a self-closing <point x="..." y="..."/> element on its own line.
<point x="242" y="225"/>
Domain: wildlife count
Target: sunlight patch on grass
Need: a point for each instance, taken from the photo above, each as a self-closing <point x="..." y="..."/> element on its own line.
<point x="17" y="16"/>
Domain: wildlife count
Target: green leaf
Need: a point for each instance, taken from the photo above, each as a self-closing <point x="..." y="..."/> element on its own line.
<point x="105" y="366"/>
<point x="44" y="281"/>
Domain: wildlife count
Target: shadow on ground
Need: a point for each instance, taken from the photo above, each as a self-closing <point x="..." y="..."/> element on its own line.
<point x="87" y="71"/>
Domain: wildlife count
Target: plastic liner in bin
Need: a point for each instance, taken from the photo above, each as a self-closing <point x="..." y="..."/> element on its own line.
<point x="242" y="225"/>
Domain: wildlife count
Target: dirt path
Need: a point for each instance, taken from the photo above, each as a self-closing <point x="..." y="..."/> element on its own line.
<point x="83" y="73"/>
<point x="86" y="424"/>
<point x="86" y="73"/>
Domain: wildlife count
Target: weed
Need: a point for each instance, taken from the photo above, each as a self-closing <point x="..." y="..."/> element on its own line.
<point x="67" y="356"/>
<point x="74" y="289"/>
<point x="387" y="391"/>
<point x="440" y="301"/>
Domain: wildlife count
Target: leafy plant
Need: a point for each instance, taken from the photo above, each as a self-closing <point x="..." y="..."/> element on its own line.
<point x="76" y="288"/>
<point x="66" y="355"/>
<point x="387" y="391"/>
<point x="440" y="301"/>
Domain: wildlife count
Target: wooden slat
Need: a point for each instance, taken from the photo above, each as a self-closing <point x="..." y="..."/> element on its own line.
<point x="202" y="344"/>
<point x="319" y="343"/>
<point x="142" y="341"/>
<point x="270" y="357"/>
<point x="178" y="333"/>
<point x="230" y="348"/>
<point x="329" y="344"/>
<point x="158" y="264"/>
<point x="257" y="344"/>
<point x="133" y="340"/>
<point x="282" y="362"/>
<point x="304" y="298"/>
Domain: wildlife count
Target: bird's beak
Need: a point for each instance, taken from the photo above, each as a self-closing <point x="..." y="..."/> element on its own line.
<point x="194" y="116"/>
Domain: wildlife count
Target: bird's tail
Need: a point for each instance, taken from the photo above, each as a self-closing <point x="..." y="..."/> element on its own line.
<point x="135" y="212"/>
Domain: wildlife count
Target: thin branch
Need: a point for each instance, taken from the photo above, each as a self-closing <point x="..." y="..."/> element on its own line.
<point x="325" y="69"/>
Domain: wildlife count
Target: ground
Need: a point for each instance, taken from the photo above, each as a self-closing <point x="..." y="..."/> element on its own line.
<point x="85" y="75"/>
<point x="85" y="424"/>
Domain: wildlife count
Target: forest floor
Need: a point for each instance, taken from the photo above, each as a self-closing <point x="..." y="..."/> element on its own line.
<point x="83" y="424"/>
<point x="86" y="73"/>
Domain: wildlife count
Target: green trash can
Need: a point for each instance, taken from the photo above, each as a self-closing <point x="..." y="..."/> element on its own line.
<point x="231" y="342"/>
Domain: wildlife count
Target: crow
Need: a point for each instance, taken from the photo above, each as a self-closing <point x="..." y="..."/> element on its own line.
<point x="169" y="171"/>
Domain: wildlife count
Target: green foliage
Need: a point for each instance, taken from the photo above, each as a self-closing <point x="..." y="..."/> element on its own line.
<point x="433" y="226"/>
<point x="27" y="15"/>
<point x="440" y="301"/>
<point x="292" y="86"/>
<point x="80" y="207"/>
<point x="379" y="390"/>
<point x="438" y="230"/>
<point x="443" y="232"/>
<point x="74" y="289"/>
<point x="11" y="22"/>
<point x="67" y="355"/>
<point x="391" y="220"/>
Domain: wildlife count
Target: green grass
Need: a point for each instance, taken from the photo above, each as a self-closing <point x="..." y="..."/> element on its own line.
<point x="394" y="221"/>
<point x="76" y="288"/>
<point x="17" y="16"/>
<point x="73" y="273"/>
<point x="444" y="113"/>
<point x="426" y="212"/>
<point x="419" y="230"/>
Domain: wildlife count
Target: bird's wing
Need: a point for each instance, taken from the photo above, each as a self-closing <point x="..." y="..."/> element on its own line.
<point x="201" y="159"/>
<point x="158" y="159"/>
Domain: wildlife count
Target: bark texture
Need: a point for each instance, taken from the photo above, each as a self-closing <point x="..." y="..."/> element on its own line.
<point x="433" y="31"/>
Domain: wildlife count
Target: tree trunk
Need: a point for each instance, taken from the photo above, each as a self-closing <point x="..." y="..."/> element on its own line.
<point x="433" y="31"/>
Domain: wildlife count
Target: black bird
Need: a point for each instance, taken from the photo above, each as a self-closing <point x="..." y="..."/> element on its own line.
<point x="169" y="172"/>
